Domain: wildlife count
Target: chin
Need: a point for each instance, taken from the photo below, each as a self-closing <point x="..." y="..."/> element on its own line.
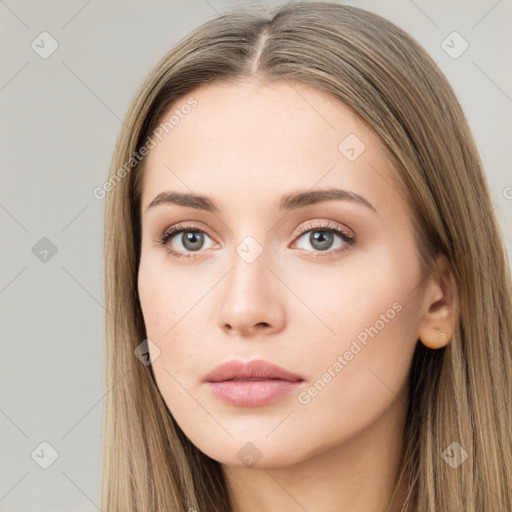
<point x="253" y="452"/>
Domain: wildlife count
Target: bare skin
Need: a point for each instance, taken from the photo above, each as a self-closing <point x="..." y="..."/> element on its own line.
<point x="329" y="446"/>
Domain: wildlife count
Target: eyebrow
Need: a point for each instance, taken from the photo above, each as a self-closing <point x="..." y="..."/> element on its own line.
<point x="288" y="202"/>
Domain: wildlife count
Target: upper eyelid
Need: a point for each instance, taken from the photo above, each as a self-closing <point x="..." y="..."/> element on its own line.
<point x="327" y="225"/>
<point x="185" y="226"/>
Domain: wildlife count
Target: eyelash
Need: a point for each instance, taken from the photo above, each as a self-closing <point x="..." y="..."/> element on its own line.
<point x="347" y="238"/>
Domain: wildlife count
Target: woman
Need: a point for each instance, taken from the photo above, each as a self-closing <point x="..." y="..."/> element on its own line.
<point x="308" y="296"/>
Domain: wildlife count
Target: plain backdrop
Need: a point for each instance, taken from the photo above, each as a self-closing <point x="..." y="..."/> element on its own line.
<point x="60" y="117"/>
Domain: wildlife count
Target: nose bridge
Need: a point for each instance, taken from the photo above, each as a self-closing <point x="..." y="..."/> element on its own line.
<point x="249" y="275"/>
<point x="250" y="297"/>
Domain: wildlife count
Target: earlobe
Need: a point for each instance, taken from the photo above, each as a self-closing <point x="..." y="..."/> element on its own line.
<point x="440" y="313"/>
<point x="437" y="338"/>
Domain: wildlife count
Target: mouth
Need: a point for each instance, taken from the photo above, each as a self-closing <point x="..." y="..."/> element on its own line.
<point x="251" y="384"/>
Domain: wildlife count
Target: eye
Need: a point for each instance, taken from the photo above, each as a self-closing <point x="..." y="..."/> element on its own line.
<point x="322" y="239"/>
<point x="186" y="238"/>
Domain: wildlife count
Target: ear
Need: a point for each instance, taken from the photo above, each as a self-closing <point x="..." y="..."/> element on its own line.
<point x="439" y="318"/>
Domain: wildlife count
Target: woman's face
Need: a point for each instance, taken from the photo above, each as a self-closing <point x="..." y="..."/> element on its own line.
<point x="270" y="266"/>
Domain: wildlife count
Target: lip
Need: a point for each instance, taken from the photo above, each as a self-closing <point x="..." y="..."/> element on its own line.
<point x="251" y="384"/>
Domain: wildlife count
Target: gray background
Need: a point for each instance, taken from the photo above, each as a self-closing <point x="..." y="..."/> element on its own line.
<point x="60" y="119"/>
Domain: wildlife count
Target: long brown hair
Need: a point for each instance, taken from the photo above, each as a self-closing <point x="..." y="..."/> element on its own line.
<point x="458" y="394"/>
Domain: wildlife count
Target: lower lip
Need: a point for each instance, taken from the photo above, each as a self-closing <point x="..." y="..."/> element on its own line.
<point x="252" y="393"/>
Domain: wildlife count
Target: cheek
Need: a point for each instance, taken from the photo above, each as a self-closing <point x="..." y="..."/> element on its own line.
<point x="360" y="344"/>
<point x="162" y="298"/>
<point x="359" y="377"/>
<point x="343" y="301"/>
<point x="170" y="308"/>
<point x="167" y="326"/>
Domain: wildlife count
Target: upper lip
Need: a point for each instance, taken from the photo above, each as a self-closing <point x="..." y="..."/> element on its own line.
<point x="256" y="369"/>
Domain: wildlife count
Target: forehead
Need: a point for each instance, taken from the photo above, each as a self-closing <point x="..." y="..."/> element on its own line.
<point x="262" y="140"/>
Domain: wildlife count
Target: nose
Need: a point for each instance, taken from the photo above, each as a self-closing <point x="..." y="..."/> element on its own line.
<point x="252" y="299"/>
